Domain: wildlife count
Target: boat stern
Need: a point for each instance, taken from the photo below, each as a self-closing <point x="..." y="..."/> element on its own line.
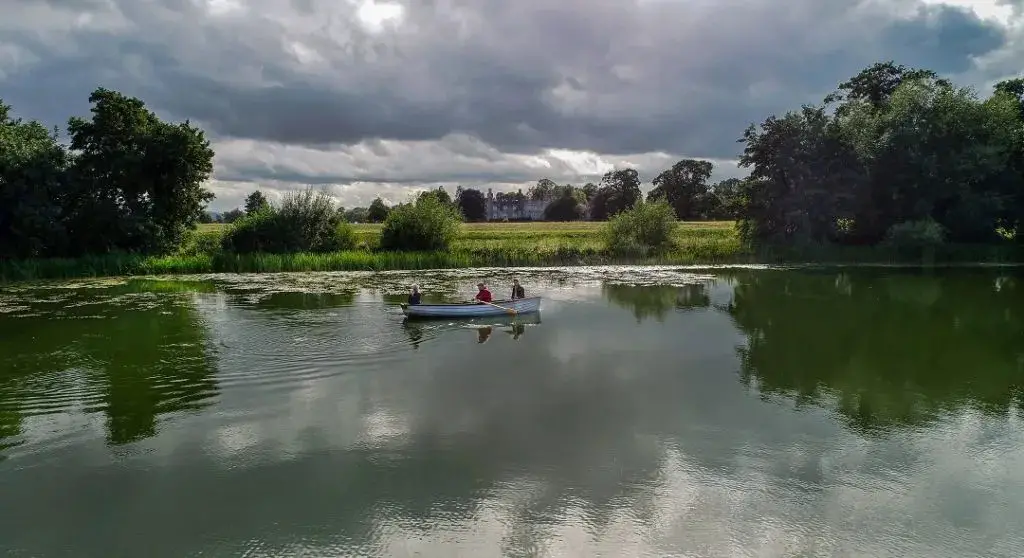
<point x="526" y="305"/>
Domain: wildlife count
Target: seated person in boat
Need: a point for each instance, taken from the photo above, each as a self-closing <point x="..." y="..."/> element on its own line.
<point x="414" y="296"/>
<point x="483" y="295"/>
<point x="517" y="290"/>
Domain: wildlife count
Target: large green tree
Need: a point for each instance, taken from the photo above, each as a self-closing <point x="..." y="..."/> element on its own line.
<point x="377" y="211"/>
<point x="545" y="189"/>
<point x="1013" y="187"/>
<point x="934" y="152"/>
<point x="130" y="182"/>
<point x="903" y="150"/>
<point x="619" y="191"/>
<point x="685" y="188"/>
<point x="357" y="215"/>
<point x="802" y="179"/>
<point x="724" y="201"/>
<point x="472" y="204"/>
<point x="256" y="202"/>
<point x="876" y="84"/>
<point x="566" y="207"/>
<point x="32" y="185"/>
<point x="136" y="181"/>
<point x="440" y="193"/>
<point x="589" y="191"/>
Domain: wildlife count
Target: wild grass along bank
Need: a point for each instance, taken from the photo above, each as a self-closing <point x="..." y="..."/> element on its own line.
<point x="480" y="245"/>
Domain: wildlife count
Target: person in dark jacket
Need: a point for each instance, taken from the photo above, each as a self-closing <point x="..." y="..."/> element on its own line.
<point x="517" y="290"/>
<point x="414" y="296"/>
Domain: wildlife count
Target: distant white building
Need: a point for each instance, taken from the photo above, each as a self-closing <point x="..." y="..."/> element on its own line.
<point x="528" y="210"/>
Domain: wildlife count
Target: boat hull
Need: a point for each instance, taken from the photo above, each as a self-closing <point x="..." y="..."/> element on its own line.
<point x="472" y="309"/>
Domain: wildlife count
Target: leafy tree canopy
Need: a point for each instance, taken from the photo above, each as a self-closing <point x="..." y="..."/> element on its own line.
<point x="129" y="182"/>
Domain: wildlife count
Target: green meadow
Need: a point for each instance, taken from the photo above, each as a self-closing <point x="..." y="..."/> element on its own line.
<point x="478" y="245"/>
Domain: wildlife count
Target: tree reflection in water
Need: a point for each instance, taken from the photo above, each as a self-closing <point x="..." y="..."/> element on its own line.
<point x="656" y="301"/>
<point x="889" y="347"/>
<point x="133" y="352"/>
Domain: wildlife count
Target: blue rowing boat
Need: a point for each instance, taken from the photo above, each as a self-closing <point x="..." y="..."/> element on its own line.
<point x="473" y="309"/>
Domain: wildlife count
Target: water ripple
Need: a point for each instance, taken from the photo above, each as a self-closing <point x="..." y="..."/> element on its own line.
<point x="305" y="416"/>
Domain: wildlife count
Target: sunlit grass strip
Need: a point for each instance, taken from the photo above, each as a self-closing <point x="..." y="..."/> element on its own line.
<point x="485" y="256"/>
<point x="487" y="245"/>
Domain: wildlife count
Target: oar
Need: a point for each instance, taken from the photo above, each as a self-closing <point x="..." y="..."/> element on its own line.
<point x="511" y="311"/>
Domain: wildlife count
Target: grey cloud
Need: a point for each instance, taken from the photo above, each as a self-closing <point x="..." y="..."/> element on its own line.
<point x="945" y="43"/>
<point x="453" y="159"/>
<point x="614" y="77"/>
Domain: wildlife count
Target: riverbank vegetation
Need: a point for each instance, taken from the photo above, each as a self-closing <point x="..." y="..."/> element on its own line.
<point x="897" y="164"/>
<point x="306" y="221"/>
<point x="484" y="245"/>
<point x="477" y="245"/>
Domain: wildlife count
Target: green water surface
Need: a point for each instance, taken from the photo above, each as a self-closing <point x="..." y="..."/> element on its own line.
<point x="643" y="412"/>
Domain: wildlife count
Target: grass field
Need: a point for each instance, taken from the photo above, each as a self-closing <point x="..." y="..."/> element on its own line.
<point x="581" y="235"/>
<point x="552" y="244"/>
<point x="478" y="245"/>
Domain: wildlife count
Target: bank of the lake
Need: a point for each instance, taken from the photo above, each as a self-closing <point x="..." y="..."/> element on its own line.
<point x="128" y="265"/>
<point x="489" y="245"/>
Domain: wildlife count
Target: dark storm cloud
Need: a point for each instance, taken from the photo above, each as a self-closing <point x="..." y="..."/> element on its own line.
<point x="614" y="77"/>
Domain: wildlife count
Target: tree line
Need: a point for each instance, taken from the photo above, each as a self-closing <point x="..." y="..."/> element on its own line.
<point x="685" y="186"/>
<point x="894" y="154"/>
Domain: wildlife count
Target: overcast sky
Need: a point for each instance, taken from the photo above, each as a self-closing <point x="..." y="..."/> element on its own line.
<point x="385" y="98"/>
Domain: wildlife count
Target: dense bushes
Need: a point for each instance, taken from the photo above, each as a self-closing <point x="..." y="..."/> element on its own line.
<point x="202" y="242"/>
<point x="309" y="221"/>
<point x="915" y="238"/>
<point x="427" y="224"/>
<point x="647" y="226"/>
<point x="304" y="222"/>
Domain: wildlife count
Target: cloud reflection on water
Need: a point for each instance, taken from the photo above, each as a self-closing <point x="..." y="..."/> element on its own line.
<point x="601" y="429"/>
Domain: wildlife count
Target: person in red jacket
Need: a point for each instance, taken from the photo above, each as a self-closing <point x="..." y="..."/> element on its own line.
<point x="483" y="295"/>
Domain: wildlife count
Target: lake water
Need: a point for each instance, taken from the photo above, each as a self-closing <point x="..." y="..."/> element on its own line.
<point x="644" y="412"/>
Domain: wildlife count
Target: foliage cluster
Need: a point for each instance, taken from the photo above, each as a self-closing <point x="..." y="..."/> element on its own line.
<point x="429" y="223"/>
<point x="903" y="158"/>
<point x="305" y="221"/>
<point x="127" y="182"/>
<point x="646" y="226"/>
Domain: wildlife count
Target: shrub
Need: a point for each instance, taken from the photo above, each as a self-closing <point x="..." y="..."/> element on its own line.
<point x="427" y="224"/>
<point x="915" y="237"/>
<point x="304" y="222"/>
<point x="648" y="225"/>
<point x="344" y="236"/>
<point x="256" y="232"/>
<point x="200" y="242"/>
<point x="308" y="222"/>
